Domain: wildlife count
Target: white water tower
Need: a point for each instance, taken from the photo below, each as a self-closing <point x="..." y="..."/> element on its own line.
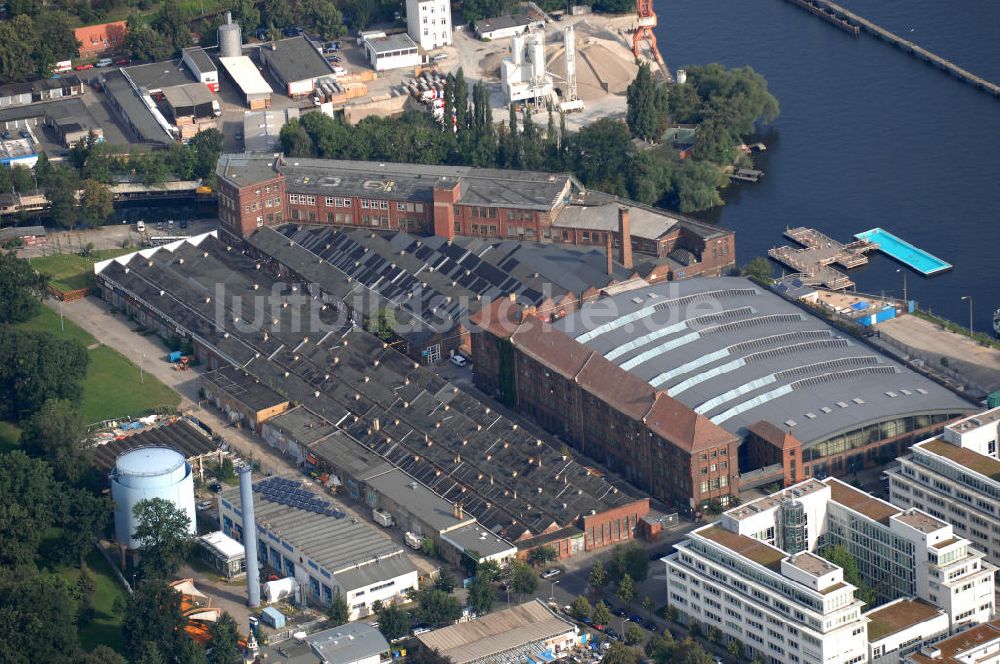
<point x="150" y="472"/>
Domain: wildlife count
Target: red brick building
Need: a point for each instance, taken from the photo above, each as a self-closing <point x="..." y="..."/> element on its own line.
<point x="101" y="39"/>
<point x="450" y="201"/>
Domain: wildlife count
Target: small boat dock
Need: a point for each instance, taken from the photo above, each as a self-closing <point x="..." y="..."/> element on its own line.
<point x="818" y="253"/>
<point x="746" y="175"/>
<point x="898" y="249"/>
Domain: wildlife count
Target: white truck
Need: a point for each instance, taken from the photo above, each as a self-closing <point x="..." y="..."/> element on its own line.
<point x="414" y="541"/>
<point x="382" y="518"/>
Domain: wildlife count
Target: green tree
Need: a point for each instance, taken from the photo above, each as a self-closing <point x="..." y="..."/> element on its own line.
<point x="172" y="22"/>
<point x="83" y="516"/>
<point x="735" y="648"/>
<point x="437" y="607"/>
<point x="338" y="612"/>
<point x="21" y="287"/>
<point x="633" y="634"/>
<point x="523" y="578"/>
<point x="482" y="596"/>
<point x="143" y="43"/>
<point x="18" y="41"/>
<point x="102" y="655"/>
<point x="225" y="640"/>
<point x="393" y="621"/>
<point x="714" y="634"/>
<point x="660" y="647"/>
<point x="646" y="104"/>
<point x="604" y="154"/>
<point x="842" y="557"/>
<point x="207" y="146"/>
<point x="245" y="13"/>
<point x="37" y="620"/>
<point x="61" y="186"/>
<point x="759" y="268"/>
<point x="581" y="608"/>
<point x="626" y="588"/>
<point x="153" y="615"/>
<point x="420" y="654"/>
<point x="27" y="508"/>
<point x="542" y="555"/>
<point x="690" y="651"/>
<point x="601" y="614"/>
<point x="630" y="559"/>
<point x="488" y="570"/>
<point x="598" y="576"/>
<point x="163" y="533"/>
<point x="619" y="653"/>
<point x="382" y="325"/>
<point x="56" y="434"/>
<point x="445" y="580"/>
<point x="150" y="653"/>
<point x="647" y="603"/>
<point x="325" y="18"/>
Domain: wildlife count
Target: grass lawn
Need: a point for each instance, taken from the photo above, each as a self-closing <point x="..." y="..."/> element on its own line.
<point x="71" y="271"/>
<point x="113" y="389"/>
<point x="48" y="321"/>
<point x="106" y="628"/>
<point x="9" y="435"/>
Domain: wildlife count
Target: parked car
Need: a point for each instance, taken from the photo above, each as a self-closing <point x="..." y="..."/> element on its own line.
<point x="339" y="71"/>
<point x="184" y="223"/>
<point x="5" y="135"/>
<point x="204" y="505"/>
<point x="123" y="61"/>
<point x="439" y="57"/>
<point x="552" y="571"/>
<point x="611" y="634"/>
<point x="636" y="618"/>
<point x="458" y="360"/>
<point x="84" y="67"/>
<point x="25" y="133"/>
<point x="620" y="612"/>
<point x="261" y="34"/>
<point x="422" y="628"/>
<point x="216" y="487"/>
<point x="650" y="625"/>
<point x="333" y="58"/>
<point x="105" y="62"/>
<point x="292" y="31"/>
<point x="161" y="226"/>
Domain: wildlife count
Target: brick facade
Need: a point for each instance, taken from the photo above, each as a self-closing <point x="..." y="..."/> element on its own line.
<point x="244" y="209"/>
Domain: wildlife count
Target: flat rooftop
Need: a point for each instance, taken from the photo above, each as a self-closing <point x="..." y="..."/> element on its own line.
<point x="498" y="632"/>
<point x="811" y="563"/>
<point x="979" y="463"/>
<point x="737" y="354"/>
<point x="159" y="75"/>
<point x="390" y="43"/>
<point x="748" y="547"/>
<point x="188" y="94"/>
<point x="244" y="387"/>
<point x="300" y="425"/>
<point x="200" y="59"/>
<point x="775" y="499"/>
<point x="897" y="616"/>
<point x="16" y="148"/>
<point x="503" y="22"/>
<point x="861" y="502"/>
<point x="348" y="643"/>
<point x="921" y="521"/>
<point x="131" y="105"/>
<point x="991" y="416"/>
<point x="403" y="490"/>
<point x="295" y="59"/>
<point x="952" y="649"/>
<point x="474" y="538"/>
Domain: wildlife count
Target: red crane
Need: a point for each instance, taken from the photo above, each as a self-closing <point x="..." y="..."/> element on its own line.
<point x="647" y="21"/>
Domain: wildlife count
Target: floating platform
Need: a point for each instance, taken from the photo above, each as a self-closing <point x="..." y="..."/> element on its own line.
<point x="904" y="252"/>
<point x="746" y="175"/>
<point x="820" y="252"/>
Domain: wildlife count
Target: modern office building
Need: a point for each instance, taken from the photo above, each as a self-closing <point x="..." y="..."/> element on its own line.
<point x="756" y="576"/>
<point x="428" y="22"/>
<point x="956" y="478"/>
<point x="980" y="645"/>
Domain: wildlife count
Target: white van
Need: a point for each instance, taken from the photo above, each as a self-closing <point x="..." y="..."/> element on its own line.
<point x="104" y="62"/>
<point x="339" y="71"/>
<point x="216" y="109"/>
<point x="140" y="226"/>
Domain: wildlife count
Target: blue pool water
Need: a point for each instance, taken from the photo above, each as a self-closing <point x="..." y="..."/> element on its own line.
<point x="904" y="252"/>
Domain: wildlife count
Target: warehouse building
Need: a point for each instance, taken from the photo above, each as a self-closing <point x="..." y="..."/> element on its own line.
<point x="244" y="399"/>
<point x="711" y="366"/>
<point x="295" y="64"/>
<point x="758" y="566"/>
<point x="223" y="554"/>
<point x="453" y="201"/>
<point x="201" y="66"/>
<point x="354" y="643"/>
<point x="364" y="273"/>
<point x="243" y="73"/>
<point x="303" y="535"/>
<point x="392" y="52"/>
<point x="262" y="129"/>
<point x="506" y="26"/>
<point x="32" y="92"/>
<point x="414" y="420"/>
<point x="528" y="632"/>
<point x="956" y="477"/>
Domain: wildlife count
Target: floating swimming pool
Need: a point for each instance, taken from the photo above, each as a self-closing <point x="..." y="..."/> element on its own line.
<point x="904" y="252"/>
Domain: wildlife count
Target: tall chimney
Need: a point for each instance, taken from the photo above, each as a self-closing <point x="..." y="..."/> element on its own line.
<point x="625" y="236"/>
<point x="249" y="536"/>
<point x="607" y="248"/>
<point x="229" y="18"/>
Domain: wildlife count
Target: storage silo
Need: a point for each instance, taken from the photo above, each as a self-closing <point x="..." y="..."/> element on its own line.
<point x="230" y="39"/>
<point x="150" y="472"/>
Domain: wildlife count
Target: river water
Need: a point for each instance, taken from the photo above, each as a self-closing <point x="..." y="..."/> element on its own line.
<point x="868" y="135"/>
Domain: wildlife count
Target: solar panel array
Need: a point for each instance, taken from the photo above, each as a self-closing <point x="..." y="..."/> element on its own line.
<point x="290" y="492"/>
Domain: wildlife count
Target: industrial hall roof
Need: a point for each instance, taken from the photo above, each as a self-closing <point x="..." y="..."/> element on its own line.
<point x="295" y="59"/>
<point x="355" y="552"/>
<point x="244" y="387"/>
<point x="737" y="354"/>
<point x="513" y="482"/>
<point x="433" y="280"/>
<point x="498" y="632"/>
<point x="179" y="435"/>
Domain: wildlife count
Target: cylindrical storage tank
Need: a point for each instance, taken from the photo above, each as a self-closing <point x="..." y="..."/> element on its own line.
<point x="230" y="40"/>
<point x="517" y="49"/>
<point x="150" y="472"/>
<point x="536" y="47"/>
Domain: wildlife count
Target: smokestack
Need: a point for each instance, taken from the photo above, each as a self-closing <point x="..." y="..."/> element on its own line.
<point x="607" y="249"/>
<point x="229" y="18"/>
<point x="249" y="536"/>
<point x="625" y="236"/>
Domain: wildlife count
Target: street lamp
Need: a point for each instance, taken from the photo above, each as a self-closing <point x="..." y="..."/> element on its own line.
<point x="552" y="591"/>
<point x="899" y="269"/>
<point x="969" y="298"/>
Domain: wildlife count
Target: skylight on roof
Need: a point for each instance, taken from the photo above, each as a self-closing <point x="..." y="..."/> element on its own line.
<point x="790" y="423"/>
<point x="858" y="401"/>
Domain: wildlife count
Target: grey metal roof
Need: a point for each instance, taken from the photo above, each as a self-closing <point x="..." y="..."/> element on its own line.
<point x="244" y="387"/>
<point x="245" y="169"/>
<point x="503" y="22"/>
<point x="65" y="81"/>
<point x="137" y="113"/>
<point x="473" y="538"/>
<point x="418" y="499"/>
<point x="354" y="552"/>
<point x="301" y="426"/>
<point x="738" y="354"/>
<point x="200" y="59"/>
<point x="294" y="59"/>
<point x="348" y="643"/>
<point x="188" y="94"/>
<point x="159" y="75"/>
<point x="389" y="43"/>
<point x="179" y="435"/>
<point x="262" y="129"/>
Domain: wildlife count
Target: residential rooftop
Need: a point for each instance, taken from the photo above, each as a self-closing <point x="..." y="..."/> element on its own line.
<point x="861" y="502"/>
<point x="897" y="616"/>
<point x="496" y="633"/>
<point x="748" y="547"/>
<point x="979" y="463"/>
<point x="737" y="354"/>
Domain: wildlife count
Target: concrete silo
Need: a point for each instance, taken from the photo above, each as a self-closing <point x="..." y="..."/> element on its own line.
<point x="230" y="39"/>
<point x="149" y="472"/>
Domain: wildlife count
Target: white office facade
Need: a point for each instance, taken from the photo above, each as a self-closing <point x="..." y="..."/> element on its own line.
<point x="751" y="574"/>
<point x="428" y="22"/>
<point x="956" y="478"/>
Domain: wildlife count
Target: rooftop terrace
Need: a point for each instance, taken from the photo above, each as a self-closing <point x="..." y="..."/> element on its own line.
<point x="748" y="547"/>
<point x="861" y="502"/>
<point x="897" y="616"/>
<point x="921" y="521"/>
<point x="979" y="463"/>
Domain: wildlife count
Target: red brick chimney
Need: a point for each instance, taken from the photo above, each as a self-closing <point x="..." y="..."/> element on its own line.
<point x="447" y="192"/>
<point x="625" y="236"/>
<point x="607" y="248"/>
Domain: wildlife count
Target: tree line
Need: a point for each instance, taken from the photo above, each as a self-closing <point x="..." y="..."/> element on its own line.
<point x="602" y="155"/>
